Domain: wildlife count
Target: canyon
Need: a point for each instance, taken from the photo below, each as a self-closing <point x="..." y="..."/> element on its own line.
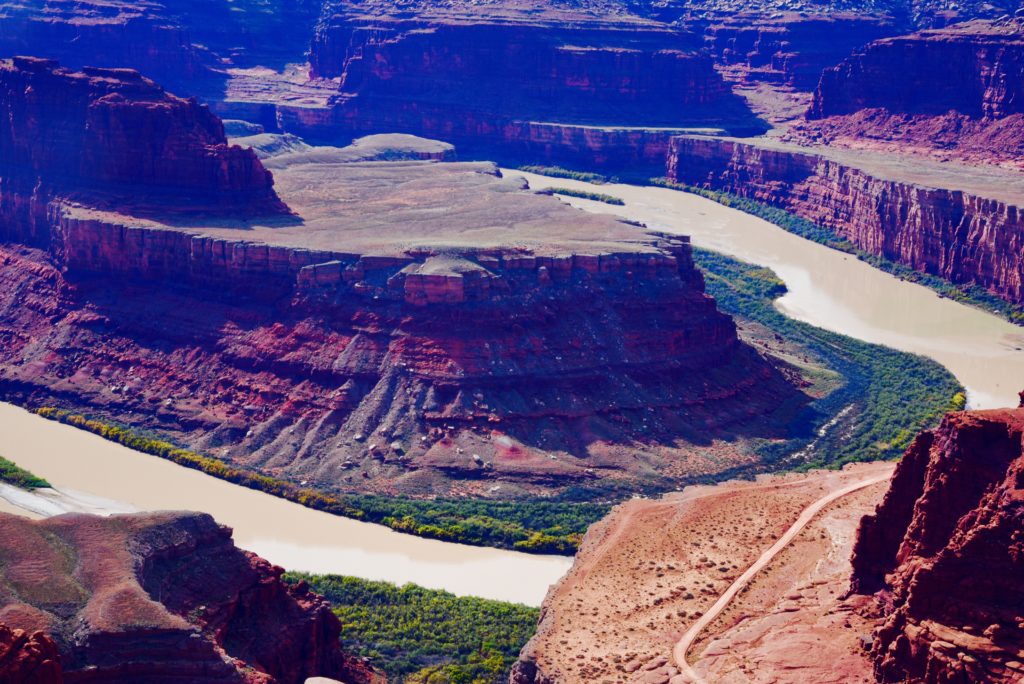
<point x="156" y="597"/>
<point x="498" y="341"/>
<point x="963" y="224"/>
<point x="915" y="584"/>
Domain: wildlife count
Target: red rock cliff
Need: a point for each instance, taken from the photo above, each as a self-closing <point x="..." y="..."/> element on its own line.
<point x="945" y="553"/>
<point x="161" y="597"/>
<point x="975" y="69"/>
<point x="115" y="133"/>
<point x="963" y="237"/>
<point x="28" y="658"/>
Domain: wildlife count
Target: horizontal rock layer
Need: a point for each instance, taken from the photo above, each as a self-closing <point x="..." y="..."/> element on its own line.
<point x="975" y="69"/>
<point x="944" y="553"/>
<point x="962" y="237"/>
<point x="163" y="597"/>
<point x="116" y="133"/>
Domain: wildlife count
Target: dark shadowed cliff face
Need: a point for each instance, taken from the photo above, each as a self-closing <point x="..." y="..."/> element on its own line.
<point x="975" y="69"/>
<point x="945" y="552"/>
<point x="115" y="133"/>
<point x="162" y="597"/>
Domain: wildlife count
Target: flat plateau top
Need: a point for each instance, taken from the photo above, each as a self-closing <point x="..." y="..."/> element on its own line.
<point x="991" y="182"/>
<point x="388" y="208"/>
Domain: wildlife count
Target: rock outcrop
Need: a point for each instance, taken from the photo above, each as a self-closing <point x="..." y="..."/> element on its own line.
<point x="921" y="217"/>
<point x="415" y="325"/>
<point x="159" y="597"/>
<point x="975" y="69"/>
<point x="28" y="658"/>
<point x="954" y="94"/>
<point x="943" y="551"/>
<point x="114" y="134"/>
<point x="790" y="48"/>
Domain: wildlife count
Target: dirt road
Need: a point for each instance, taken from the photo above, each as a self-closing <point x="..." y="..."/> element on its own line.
<point x="682" y="647"/>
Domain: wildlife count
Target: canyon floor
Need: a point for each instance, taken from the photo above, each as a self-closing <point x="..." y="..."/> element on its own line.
<point x="649" y="570"/>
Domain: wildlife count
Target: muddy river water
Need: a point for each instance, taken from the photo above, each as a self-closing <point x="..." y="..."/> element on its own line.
<point x="834" y="290"/>
<point x="826" y="288"/>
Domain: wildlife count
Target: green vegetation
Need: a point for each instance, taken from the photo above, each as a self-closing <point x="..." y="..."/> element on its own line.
<point x="423" y="636"/>
<point x="530" y="526"/>
<point x="19" y="477"/>
<point x="582" y="194"/>
<point x="559" y="172"/>
<point x="894" y="395"/>
<point x="973" y="295"/>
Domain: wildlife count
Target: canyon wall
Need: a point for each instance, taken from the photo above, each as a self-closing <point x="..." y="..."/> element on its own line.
<point x="975" y="69"/>
<point x="790" y="49"/>
<point x="963" y="237"/>
<point x="113" y="132"/>
<point x="163" y="597"/>
<point x="943" y="551"/>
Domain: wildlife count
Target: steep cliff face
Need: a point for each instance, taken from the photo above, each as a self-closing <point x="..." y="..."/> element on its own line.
<point x="488" y="80"/>
<point x="944" y="552"/>
<point x="953" y="93"/>
<point x="163" y="597"/>
<point x="791" y="48"/>
<point x="184" y="45"/>
<point x="961" y="236"/>
<point x="115" y="133"/>
<point x="975" y="69"/>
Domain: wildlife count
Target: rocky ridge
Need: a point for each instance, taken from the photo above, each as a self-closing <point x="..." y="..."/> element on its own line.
<point x="943" y="554"/>
<point x="72" y="133"/>
<point x="160" y="597"/>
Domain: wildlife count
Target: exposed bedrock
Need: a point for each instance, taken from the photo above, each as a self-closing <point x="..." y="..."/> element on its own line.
<point x="116" y="134"/>
<point x="161" y="597"/>
<point x="28" y="658"/>
<point x="184" y="45"/>
<point x="961" y="236"/>
<point x="791" y="49"/>
<point x="976" y="69"/>
<point x="943" y="551"/>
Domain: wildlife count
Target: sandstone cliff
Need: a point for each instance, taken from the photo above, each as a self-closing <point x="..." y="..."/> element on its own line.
<point x="943" y="552"/>
<point x="415" y="326"/>
<point x="976" y="69"/>
<point x="161" y="597"/>
<point x="953" y="94"/>
<point x="116" y="134"/>
<point x="914" y="217"/>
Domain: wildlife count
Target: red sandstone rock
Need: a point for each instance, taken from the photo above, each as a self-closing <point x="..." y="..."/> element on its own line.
<point x="944" y="553"/>
<point x="159" y="597"/>
<point x="28" y="658"/>
<point x="976" y="69"/>
<point x="79" y="133"/>
<point x="940" y="229"/>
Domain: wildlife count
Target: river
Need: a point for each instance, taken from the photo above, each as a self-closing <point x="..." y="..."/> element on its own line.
<point x="833" y="290"/>
<point x="92" y="474"/>
<point x="826" y="288"/>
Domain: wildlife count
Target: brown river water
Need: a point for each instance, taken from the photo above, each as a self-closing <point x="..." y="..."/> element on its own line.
<point x="826" y="288"/>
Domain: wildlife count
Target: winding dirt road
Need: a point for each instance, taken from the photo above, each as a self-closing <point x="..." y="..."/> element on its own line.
<point x="682" y="647"/>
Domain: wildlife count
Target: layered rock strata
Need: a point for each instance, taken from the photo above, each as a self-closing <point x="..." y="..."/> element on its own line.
<point x="115" y="134"/>
<point x="953" y="94"/>
<point x="161" y="597"/>
<point x="943" y="552"/>
<point x="412" y="325"/>
<point x="964" y="225"/>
